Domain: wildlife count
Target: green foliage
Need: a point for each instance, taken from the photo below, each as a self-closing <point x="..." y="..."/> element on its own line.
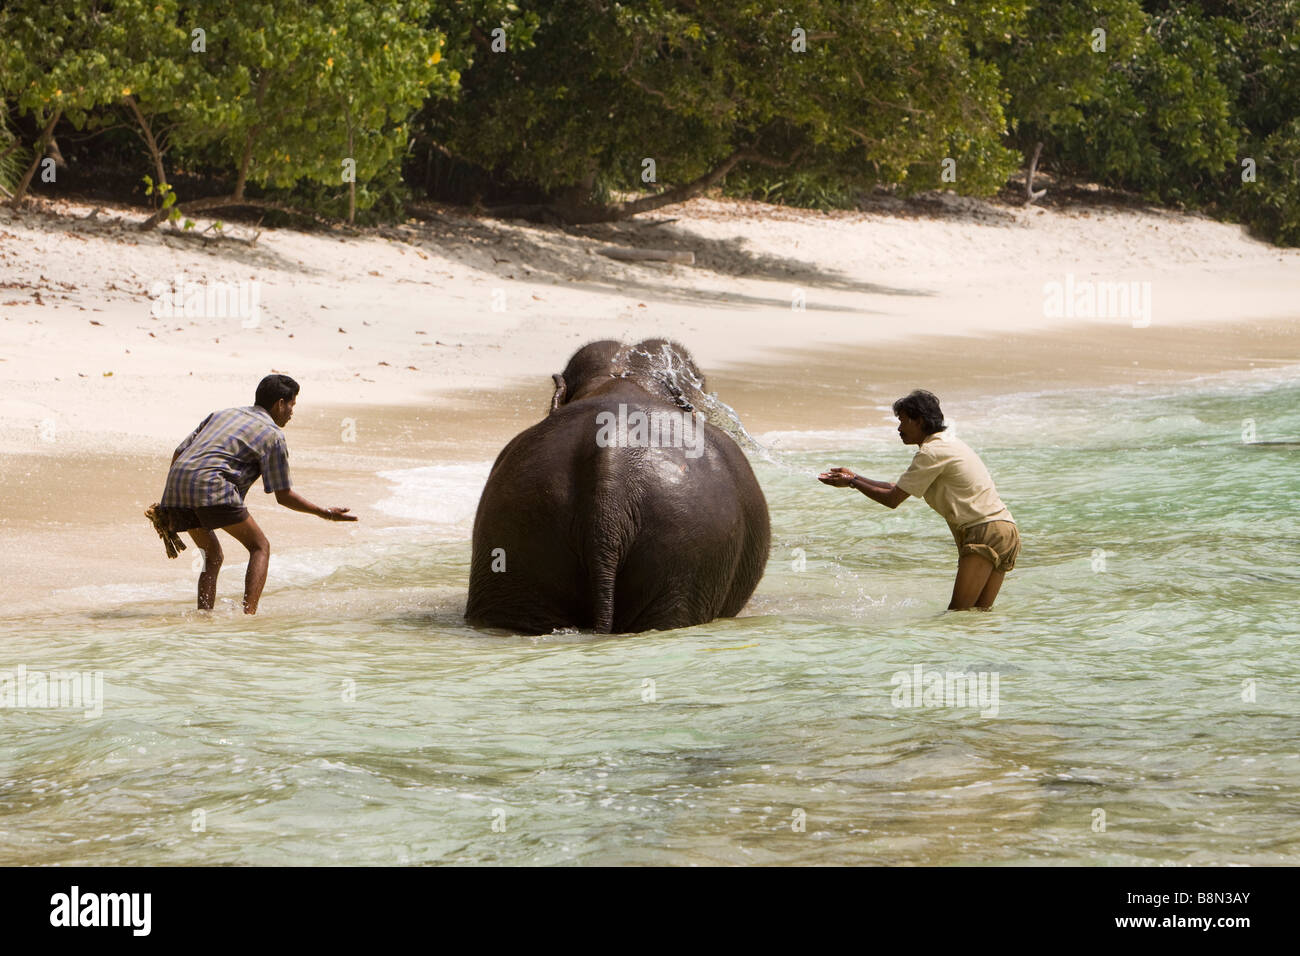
<point x="884" y="92"/>
<point x="280" y="94"/>
<point x="54" y="57"/>
<point x="1050" y="69"/>
<point x="807" y="190"/>
<point x="1266" y="86"/>
<point x="1149" y="112"/>
<point x="381" y="198"/>
<point x="11" y="156"/>
<point x="1271" y="204"/>
<point x="289" y="93"/>
<point x="1170" y="106"/>
<point x="168" y="199"/>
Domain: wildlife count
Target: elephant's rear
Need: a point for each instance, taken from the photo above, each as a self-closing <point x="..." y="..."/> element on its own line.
<point x="616" y="539"/>
<point x="694" y="546"/>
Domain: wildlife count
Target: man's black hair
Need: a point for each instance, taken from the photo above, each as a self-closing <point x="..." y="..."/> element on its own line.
<point x="273" y="388"/>
<point x="924" y="407"/>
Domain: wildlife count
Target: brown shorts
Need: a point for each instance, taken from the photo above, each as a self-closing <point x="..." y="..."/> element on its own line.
<point x="209" y="518"/>
<point x="999" y="541"/>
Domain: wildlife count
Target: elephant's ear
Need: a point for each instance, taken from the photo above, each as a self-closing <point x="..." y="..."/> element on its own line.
<point x="560" y="390"/>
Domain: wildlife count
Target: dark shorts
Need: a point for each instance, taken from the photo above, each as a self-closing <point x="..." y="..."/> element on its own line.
<point x="209" y="518"/>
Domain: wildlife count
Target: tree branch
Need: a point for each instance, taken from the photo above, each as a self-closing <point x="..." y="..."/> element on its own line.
<point x="675" y="194"/>
<point x="225" y="202"/>
<point x="21" y="192"/>
<point x="152" y="143"/>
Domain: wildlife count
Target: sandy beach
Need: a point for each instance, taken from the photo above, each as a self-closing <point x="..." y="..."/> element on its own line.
<point x="434" y="341"/>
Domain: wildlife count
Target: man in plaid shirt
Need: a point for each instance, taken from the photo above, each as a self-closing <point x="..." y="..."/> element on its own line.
<point x="212" y="471"/>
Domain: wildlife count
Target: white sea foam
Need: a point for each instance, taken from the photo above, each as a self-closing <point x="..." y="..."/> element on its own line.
<point x="444" y="496"/>
<point x="814" y="439"/>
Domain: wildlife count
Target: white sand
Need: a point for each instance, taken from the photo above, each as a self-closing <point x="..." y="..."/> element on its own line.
<point x="421" y="295"/>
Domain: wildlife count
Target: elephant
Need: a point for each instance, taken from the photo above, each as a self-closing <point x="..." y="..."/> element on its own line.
<point x="596" y="519"/>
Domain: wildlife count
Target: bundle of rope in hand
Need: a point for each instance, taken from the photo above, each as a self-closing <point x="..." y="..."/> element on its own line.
<point x="161" y="522"/>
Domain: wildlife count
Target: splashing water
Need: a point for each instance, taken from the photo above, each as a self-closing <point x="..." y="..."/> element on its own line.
<point x="686" y="382"/>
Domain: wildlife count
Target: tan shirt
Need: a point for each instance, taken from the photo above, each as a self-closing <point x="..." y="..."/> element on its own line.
<point x="954" y="482"/>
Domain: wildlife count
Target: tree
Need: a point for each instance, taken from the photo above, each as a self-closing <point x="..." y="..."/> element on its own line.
<point x="54" y="64"/>
<point x="884" y="92"/>
<point x="305" y="93"/>
<point x="1134" y="99"/>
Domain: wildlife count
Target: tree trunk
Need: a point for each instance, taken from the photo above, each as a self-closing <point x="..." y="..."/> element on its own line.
<point x="21" y="192"/>
<point x="149" y="140"/>
<point x="352" y="184"/>
<point x="250" y="137"/>
<point x="244" y="162"/>
<point x="1030" y="195"/>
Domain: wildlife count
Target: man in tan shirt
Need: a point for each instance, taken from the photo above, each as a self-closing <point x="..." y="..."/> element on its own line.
<point x="954" y="482"/>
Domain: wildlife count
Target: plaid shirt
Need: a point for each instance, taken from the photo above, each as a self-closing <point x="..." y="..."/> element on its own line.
<point x="219" y="462"/>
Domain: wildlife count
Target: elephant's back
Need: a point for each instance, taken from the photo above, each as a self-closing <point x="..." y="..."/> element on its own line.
<point x="668" y="531"/>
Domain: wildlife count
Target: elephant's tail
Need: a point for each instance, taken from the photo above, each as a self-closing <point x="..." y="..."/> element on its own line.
<point x="610" y="531"/>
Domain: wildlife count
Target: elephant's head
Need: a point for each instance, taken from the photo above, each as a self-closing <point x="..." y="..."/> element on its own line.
<point x="591" y="366"/>
<point x="661" y="367"/>
<point x="667" y="368"/>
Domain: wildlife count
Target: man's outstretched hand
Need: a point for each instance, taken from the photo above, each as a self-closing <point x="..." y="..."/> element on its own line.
<point x="339" y="514"/>
<point x="837" y="477"/>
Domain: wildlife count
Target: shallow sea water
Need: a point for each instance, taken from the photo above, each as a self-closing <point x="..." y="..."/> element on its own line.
<point x="1145" y="650"/>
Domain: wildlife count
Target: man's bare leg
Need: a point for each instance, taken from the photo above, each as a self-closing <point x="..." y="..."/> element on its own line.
<point x="250" y="536"/>
<point x="990" y="592"/>
<point x="973" y="572"/>
<point x="206" y="541"/>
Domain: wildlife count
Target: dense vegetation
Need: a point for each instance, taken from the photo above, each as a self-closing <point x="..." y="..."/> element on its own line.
<point x="587" y="109"/>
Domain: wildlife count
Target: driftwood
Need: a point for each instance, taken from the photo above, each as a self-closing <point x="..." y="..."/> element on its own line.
<point x="648" y="255"/>
<point x="210" y="240"/>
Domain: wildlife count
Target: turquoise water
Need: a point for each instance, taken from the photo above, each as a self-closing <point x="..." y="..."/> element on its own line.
<point x="359" y="721"/>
